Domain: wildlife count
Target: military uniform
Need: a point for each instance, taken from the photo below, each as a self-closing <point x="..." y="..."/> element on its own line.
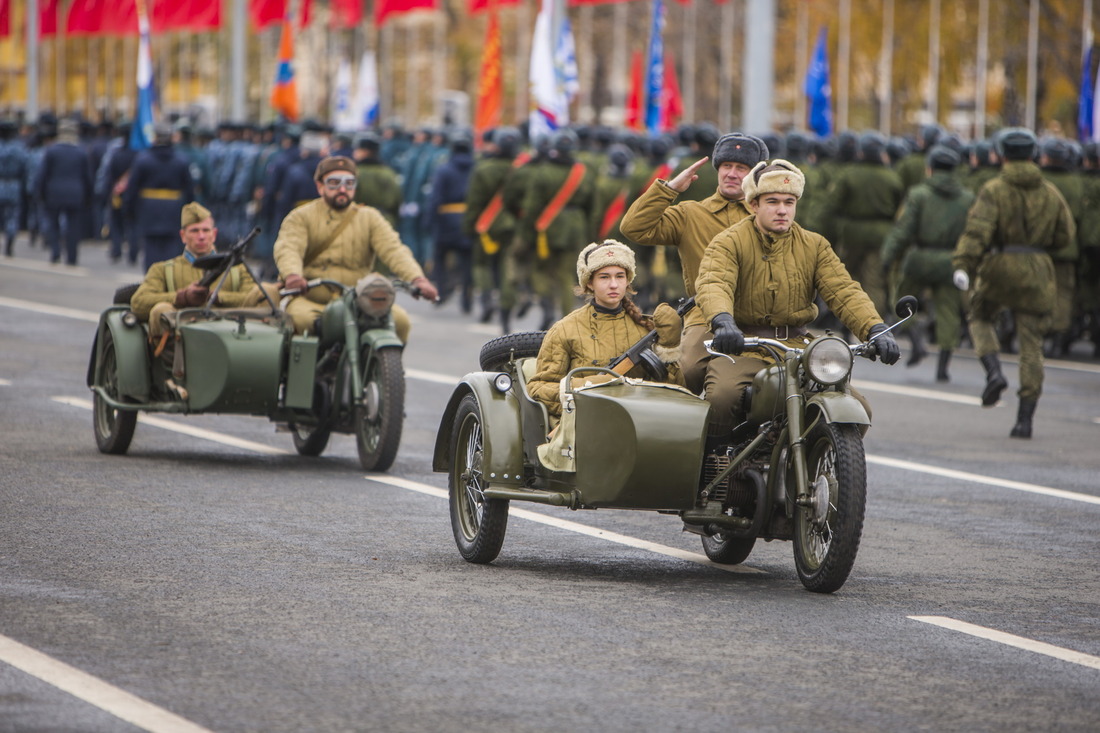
<point x="13" y="172"/>
<point x="377" y="186"/>
<point x="306" y="247"/>
<point x="1072" y="188"/>
<point x="157" y="293"/>
<point x="923" y="239"/>
<point x="489" y="179"/>
<point x="768" y="283"/>
<point x="159" y="187"/>
<point x="1018" y="222"/>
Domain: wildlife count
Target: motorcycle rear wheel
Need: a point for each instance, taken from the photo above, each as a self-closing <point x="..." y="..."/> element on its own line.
<point x="378" y="422"/>
<point x="826" y="535"/>
<point x="731" y="551"/>
<point x="114" y="429"/>
<point x="310" y="440"/>
<point x="479" y="524"/>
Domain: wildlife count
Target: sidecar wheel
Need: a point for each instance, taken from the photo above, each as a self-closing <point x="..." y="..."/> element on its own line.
<point x="497" y="352"/>
<point x="827" y="534"/>
<point x="310" y="441"/>
<point x="379" y="421"/>
<point x="478" y="523"/>
<point x="732" y="551"/>
<point x="114" y="429"/>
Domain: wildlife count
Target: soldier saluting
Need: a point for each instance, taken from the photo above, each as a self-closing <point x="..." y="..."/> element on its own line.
<point x="1018" y="222"/>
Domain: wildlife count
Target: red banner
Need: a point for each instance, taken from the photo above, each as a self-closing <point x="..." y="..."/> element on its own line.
<point x="265" y="13"/>
<point x="385" y="8"/>
<point x="107" y="18"/>
<point x="632" y="115"/>
<point x="478" y="6"/>
<point x="5" y="19"/>
<point x="47" y="18"/>
<point x="346" y="13"/>
<point x="190" y="15"/>
<point x="489" y="90"/>
<point x="673" y="109"/>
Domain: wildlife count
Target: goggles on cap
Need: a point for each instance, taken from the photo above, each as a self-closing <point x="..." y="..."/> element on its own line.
<point x="335" y="183"/>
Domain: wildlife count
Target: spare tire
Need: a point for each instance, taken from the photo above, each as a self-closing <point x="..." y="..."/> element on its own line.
<point x="123" y="294"/>
<point x="498" y="352"/>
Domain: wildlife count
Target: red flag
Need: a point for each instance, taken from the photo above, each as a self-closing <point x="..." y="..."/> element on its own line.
<point x="573" y="3"/>
<point x="632" y="115"/>
<point x="673" y="100"/>
<point x="385" y="8"/>
<point x="284" y="95"/>
<point x="346" y="13"/>
<point x="489" y="90"/>
<point x="47" y="18"/>
<point x="192" y="15"/>
<point x="269" y="12"/>
<point x="477" y="6"/>
<point x="5" y="19"/>
<point x="85" y="18"/>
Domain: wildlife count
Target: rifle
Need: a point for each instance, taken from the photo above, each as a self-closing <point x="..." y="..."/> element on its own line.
<point x="642" y="350"/>
<point x="217" y="265"/>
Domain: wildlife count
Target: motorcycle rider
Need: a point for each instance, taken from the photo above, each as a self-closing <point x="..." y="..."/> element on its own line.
<point x="334" y="238"/>
<point x="689" y="226"/>
<point x="764" y="273"/>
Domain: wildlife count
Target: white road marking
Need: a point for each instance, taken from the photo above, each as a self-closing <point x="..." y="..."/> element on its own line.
<point x="50" y="310"/>
<point x="432" y="377"/>
<point x="1019" y="642"/>
<point x="147" y="419"/>
<point x="20" y="263"/>
<point x="5" y="382"/>
<point x="980" y="479"/>
<point x="920" y="392"/>
<point x="569" y="526"/>
<point x="93" y="690"/>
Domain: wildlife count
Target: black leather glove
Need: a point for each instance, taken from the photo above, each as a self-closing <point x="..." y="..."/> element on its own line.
<point x="728" y="338"/>
<point x="885" y="345"/>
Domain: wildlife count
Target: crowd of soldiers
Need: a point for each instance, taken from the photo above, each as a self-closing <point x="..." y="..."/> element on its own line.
<point x="497" y="221"/>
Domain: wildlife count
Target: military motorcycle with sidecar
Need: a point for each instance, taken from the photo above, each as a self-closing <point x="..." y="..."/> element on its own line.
<point x="793" y="470"/>
<point x="346" y="378"/>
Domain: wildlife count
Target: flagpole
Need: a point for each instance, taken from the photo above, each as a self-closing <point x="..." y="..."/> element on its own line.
<point x="758" y="60"/>
<point x="844" y="60"/>
<point x="410" y="72"/>
<point x="32" y="59"/>
<point x="934" y="62"/>
<point x="886" y="68"/>
<point x="982" y="64"/>
<point x="523" y="58"/>
<point x="687" y="58"/>
<point x="439" y="67"/>
<point x="584" y="112"/>
<point x="1032" y="63"/>
<point x="237" y="60"/>
<point x="803" y="55"/>
<point x="619" y="20"/>
<point x="725" y="89"/>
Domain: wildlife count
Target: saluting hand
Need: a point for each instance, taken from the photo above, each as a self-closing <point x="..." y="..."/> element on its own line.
<point x="687" y="176"/>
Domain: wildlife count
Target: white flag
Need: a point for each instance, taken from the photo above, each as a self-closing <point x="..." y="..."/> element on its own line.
<point x="343" y="116"/>
<point x="554" y="80"/>
<point x="366" y="93"/>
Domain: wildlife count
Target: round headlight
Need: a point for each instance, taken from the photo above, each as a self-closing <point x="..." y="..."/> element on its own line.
<point x="502" y="383"/>
<point x="828" y="360"/>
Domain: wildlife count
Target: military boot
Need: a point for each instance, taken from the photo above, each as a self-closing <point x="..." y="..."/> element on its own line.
<point x="1022" y="428"/>
<point x="995" y="382"/>
<point x="549" y="314"/>
<point x="488" y="305"/>
<point x="8" y="247"/>
<point x="506" y="320"/>
<point x="918" y="350"/>
<point x="941" y="366"/>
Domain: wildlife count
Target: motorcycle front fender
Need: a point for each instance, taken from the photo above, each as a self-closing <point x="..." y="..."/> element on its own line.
<point x="837" y="407"/>
<point x="132" y="355"/>
<point x="379" y="338"/>
<point x="502" y="432"/>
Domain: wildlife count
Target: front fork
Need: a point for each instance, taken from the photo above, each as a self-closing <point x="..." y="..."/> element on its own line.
<point x="796" y="412"/>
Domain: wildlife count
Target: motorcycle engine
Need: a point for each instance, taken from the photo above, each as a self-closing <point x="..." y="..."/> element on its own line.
<point x="730" y="493"/>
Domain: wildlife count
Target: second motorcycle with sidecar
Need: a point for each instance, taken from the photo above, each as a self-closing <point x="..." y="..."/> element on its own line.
<point x="793" y="470"/>
<point x="346" y="378"/>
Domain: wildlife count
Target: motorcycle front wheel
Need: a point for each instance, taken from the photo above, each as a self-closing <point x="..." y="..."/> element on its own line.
<point x="381" y="415"/>
<point x="114" y="429"/>
<point x="479" y="524"/>
<point x="827" y="533"/>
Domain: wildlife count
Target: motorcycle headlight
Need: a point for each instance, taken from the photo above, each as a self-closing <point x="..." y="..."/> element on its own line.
<point x="374" y="295"/>
<point x="828" y="360"/>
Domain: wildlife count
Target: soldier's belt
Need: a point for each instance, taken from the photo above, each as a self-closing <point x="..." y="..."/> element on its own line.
<point x="459" y="208"/>
<point x="163" y="194"/>
<point x="1019" y="249"/>
<point x="779" y="333"/>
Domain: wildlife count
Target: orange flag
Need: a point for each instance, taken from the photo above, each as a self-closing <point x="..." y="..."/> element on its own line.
<point x="489" y="91"/>
<point x="284" y="95"/>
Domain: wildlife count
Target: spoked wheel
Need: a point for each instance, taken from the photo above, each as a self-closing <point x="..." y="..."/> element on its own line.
<point x="381" y="416"/>
<point x="728" y="551"/>
<point x="478" y="523"/>
<point x="310" y="440"/>
<point x="114" y="429"/>
<point x="827" y="533"/>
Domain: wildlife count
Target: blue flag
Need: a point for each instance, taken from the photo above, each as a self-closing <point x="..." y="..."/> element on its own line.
<point x="141" y="132"/>
<point x="818" y="91"/>
<point x="655" y="79"/>
<point x="1086" y="100"/>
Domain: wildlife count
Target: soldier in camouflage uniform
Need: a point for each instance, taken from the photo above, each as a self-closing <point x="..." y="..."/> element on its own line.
<point x="922" y="240"/>
<point x="984" y="165"/>
<point x="1088" y="238"/>
<point x="911" y="169"/>
<point x="1058" y="161"/>
<point x="862" y="202"/>
<point x="377" y="184"/>
<point x="1012" y="230"/>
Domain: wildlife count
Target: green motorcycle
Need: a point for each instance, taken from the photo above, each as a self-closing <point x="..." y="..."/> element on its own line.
<point x="794" y="470"/>
<point x="347" y="378"/>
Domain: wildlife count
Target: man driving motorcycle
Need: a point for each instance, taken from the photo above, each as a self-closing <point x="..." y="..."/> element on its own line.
<point x="763" y="273"/>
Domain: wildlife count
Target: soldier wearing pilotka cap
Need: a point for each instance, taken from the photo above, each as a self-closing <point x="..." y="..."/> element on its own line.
<point x="656" y="218"/>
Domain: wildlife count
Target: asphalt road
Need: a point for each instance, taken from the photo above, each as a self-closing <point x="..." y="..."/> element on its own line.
<point x="213" y="579"/>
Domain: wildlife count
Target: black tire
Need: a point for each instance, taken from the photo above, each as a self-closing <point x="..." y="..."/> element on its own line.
<point x="825" y="546"/>
<point x="125" y="293"/>
<point x="114" y="429"/>
<point x="310" y="441"/>
<point x="498" y="352"/>
<point x="728" y="551"/>
<point x="379" y="421"/>
<point x="479" y="524"/>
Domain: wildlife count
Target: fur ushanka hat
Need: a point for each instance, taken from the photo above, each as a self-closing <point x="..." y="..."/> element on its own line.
<point x="599" y="255"/>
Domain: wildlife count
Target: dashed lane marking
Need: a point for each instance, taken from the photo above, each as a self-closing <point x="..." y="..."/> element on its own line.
<point x="50" y="310"/>
<point x="93" y="690"/>
<point x="570" y="526"/>
<point x="1019" y="642"/>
